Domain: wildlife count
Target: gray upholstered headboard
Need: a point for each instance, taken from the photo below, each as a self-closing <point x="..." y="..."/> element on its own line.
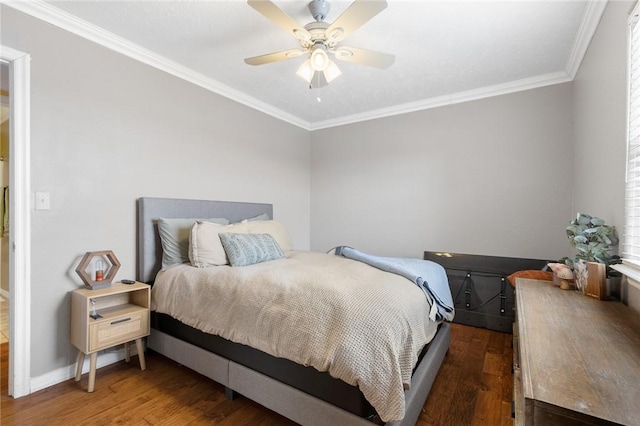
<point x="150" y="210"/>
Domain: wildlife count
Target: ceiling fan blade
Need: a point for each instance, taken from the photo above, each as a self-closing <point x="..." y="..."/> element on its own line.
<point x="274" y="57"/>
<point x="354" y="17"/>
<point x="280" y="18"/>
<point x="364" y="57"/>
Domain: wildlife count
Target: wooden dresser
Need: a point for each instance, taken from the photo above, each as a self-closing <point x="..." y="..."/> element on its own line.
<point x="576" y="359"/>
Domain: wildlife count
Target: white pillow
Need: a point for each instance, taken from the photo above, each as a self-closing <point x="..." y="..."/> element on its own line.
<point x="275" y="229"/>
<point x="205" y="248"/>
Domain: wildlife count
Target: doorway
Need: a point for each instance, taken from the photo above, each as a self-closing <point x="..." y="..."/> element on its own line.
<point x="5" y="112"/>
<point x="19" y="221"/>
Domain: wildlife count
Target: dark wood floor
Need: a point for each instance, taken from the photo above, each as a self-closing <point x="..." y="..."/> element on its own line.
<point x="474" y="387"/>
<point x="4" y="376"/>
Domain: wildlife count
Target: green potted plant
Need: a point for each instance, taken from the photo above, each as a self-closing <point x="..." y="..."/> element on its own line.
<point x="593" y="240"/>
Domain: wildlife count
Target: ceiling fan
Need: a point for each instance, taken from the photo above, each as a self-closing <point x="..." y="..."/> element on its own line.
<point x="319" y="39"/>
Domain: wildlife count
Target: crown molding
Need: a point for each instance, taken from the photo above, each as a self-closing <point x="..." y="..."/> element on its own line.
<point x="588" y="26"/>
<point x="59" y="18"/>
<point x="455" y="98"/>
<point x="63" y="20"/>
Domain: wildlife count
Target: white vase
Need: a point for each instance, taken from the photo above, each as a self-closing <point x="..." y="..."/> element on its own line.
<point x="580" y="275"/>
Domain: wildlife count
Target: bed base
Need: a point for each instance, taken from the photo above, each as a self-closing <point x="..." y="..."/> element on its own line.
<point x="307" y="379"/>
<point x="288" y="401"/>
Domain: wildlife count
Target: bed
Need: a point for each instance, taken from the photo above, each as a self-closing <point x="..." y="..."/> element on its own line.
<point x="300" y="393"/>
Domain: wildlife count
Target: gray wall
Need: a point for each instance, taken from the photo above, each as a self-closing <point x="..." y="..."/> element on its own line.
<point x="107" y="130"/>
<point x="600" y="113"/>
<point x="490" y="177"/>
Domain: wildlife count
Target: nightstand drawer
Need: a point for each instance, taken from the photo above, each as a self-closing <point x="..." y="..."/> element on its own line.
<point x="118" y="329"/>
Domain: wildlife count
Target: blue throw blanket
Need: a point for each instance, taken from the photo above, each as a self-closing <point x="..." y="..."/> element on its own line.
<point x="429" y="276"/>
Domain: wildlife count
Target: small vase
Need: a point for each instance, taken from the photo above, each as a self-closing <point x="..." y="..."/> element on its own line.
<point x="581" y="275"/>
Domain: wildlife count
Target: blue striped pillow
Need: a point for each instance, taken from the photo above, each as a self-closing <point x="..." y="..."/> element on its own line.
<point x="248" y="249"/>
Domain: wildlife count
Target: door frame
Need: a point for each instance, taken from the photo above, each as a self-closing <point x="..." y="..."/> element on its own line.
<point x="19" y="221"/>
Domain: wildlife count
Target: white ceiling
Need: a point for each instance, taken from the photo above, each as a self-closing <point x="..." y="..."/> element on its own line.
<point x="446" y="51"/>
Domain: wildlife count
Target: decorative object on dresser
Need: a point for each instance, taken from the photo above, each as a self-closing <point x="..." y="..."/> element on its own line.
<point x="107" y="317"/>
<point x="102" y="276"/>
<point x="478" y="283"/>
<point x="596" y="280"/>
<point x="580" y="274"/>
<point x="593" y="241"/>
<point x="536" y="274"/>
<point x="562" y="275"/>
<point x="575" y="359"/>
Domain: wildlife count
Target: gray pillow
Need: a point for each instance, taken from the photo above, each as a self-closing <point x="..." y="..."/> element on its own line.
<point x="174" y="237"/>
<point x="262" y="216"/>
<point x="248" y="249"/>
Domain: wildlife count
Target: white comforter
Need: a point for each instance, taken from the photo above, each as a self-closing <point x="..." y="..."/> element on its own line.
<point x="362" y="325"/>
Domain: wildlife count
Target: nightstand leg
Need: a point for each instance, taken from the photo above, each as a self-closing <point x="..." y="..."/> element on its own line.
<point x="127" y="352"/>
<point x="140" y="349"/>
<point x="79" y="362"/>
<point x="92" y="371"/>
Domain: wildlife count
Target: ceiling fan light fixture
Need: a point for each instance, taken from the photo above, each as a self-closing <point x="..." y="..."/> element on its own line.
<point x="332" y="72"/>
<point x="305" y="71"/>
<point x="308" y="74"/>
<point x="318" y="38"/>
<point x="319" y="58"/>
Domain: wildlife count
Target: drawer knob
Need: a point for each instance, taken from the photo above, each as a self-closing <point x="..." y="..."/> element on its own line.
<point x="120" y="320"/>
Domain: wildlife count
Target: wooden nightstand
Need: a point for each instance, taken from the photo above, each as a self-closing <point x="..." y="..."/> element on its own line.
<point x="124" y="311"/>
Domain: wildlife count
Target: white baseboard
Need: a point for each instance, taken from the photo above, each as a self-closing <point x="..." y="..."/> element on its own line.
<point x="110" y="356"/>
